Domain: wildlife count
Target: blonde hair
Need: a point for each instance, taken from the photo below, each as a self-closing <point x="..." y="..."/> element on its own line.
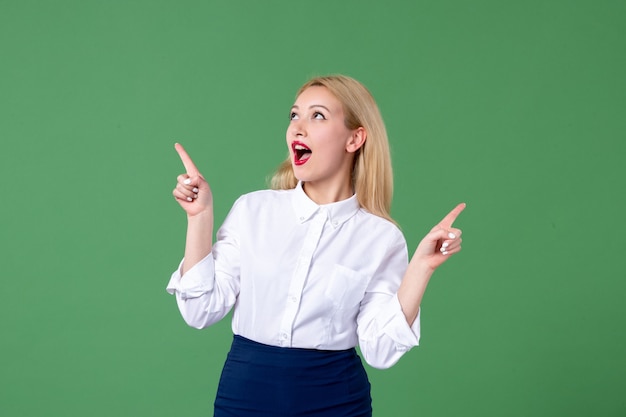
<point x="372" y="176"/>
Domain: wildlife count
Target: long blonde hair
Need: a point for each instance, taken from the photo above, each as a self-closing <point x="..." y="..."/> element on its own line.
<point x="372" y="176"/>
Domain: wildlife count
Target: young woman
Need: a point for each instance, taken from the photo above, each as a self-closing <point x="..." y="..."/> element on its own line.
<point x="312" y="267"/>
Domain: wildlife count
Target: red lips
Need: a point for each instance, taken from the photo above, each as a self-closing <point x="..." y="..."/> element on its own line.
<point x="301" y="152"/>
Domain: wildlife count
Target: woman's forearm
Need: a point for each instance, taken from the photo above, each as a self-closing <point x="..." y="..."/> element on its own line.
<point x="436" y="247"/>
<point x="199" y="241"/>
<point x="412" y="289"/>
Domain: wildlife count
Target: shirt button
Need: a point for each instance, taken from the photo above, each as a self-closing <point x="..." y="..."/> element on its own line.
<point x="335" y="223"/>
<point x="294" y="299"/>
<point x="283" y="336"/>
<point x="301" y="217"/>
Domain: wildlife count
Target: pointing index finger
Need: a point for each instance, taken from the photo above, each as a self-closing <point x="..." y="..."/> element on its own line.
<point x="190" y="167"/>
<point x="451" y="217"/>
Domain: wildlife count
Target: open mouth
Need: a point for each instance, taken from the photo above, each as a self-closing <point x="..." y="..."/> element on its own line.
<point x="301" y="153"/>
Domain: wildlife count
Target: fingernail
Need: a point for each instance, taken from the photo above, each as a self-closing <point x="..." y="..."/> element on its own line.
<point x="445" y="245"/>
<point x="187" y="181"/>
<point x="451" y="235"/>
<point x="195" y="196"/>
<point x="445" y="252"/>
<point x="195" y="189"/>
<point x="189" y="199"/>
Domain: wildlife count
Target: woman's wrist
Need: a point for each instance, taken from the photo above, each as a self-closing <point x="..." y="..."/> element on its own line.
<point x="201" y="216"/>
<point x="420" y="270"/>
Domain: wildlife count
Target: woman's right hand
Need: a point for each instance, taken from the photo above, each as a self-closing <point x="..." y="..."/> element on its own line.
<point x="192" y="191"/>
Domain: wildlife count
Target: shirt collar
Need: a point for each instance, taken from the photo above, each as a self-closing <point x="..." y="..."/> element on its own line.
<point x="338" y="212"/>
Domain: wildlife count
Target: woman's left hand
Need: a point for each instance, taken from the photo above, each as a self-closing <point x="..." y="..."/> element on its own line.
<point x="440" y="243"/>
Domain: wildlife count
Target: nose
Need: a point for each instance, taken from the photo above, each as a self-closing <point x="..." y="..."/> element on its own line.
<point x="297" y="128"/>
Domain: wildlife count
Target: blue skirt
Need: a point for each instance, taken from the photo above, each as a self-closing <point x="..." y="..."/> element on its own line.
<point x="268" y="381"/>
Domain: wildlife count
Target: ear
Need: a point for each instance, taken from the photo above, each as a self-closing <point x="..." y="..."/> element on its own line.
<point x="357" y="140"/>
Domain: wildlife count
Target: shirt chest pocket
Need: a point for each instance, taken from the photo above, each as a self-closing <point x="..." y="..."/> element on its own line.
<point x="346" y="287"/>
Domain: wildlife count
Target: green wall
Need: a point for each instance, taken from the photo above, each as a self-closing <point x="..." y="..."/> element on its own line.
<point x="517" y="108"/>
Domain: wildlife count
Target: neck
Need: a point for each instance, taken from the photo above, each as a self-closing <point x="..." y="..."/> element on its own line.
<point x="326" y="193"/>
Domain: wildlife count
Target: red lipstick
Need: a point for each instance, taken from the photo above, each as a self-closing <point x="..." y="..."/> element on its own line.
<point x="301" y="152"/>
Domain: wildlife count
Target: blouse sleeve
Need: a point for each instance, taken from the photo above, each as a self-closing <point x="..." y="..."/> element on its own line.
<point x="208" y="290"/>
<point x="384" y="334"/>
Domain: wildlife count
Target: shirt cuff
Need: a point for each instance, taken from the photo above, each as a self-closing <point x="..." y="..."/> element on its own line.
<point x="195" y="282"/>
<point x="393" y="323"/>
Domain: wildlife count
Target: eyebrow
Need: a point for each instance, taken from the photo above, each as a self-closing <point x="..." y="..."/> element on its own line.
<point x="312" y="106"/>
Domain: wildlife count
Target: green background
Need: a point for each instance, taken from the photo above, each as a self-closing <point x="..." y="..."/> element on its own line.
<point x="517" y="108"/>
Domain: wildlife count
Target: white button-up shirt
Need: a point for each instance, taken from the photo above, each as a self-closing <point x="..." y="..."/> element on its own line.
<point x="303" y="275"/>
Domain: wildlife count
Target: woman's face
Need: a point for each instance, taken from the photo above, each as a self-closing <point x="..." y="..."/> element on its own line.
<point x="318" y="140"/>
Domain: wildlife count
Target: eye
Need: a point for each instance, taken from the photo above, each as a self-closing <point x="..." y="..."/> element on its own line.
<point x="319" y="116"/>
<point x="293" y="115"/>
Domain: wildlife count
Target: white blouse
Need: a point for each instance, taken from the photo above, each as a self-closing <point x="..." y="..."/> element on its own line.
<point x="303" y="275"/>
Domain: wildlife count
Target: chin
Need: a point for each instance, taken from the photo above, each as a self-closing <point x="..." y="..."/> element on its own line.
<point x="302" y="178"/>
<point x="298" y="172"/>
